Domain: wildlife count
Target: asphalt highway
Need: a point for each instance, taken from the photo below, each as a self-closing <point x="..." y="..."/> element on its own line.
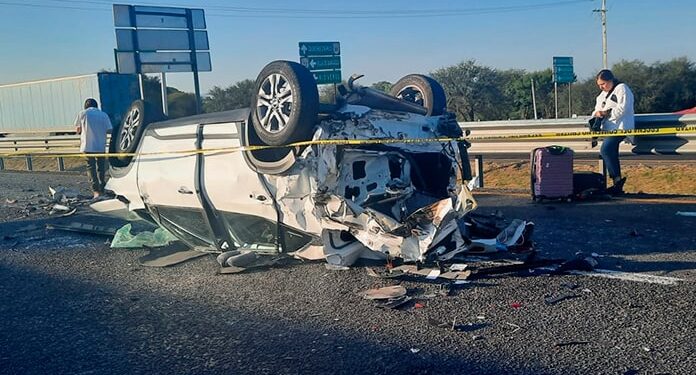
<point x="70" y="304"/>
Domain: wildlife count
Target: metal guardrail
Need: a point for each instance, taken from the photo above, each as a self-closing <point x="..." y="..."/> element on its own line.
<point x="663" y="144"/>
<point x="644" y="144"/>
<point x="44" y="143"/>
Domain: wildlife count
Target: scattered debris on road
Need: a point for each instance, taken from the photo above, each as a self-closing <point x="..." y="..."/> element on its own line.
<point x="123" y="238"/>
<point x="571" y="343"/>
<point x="384" y="293"/>
<point x="84" y="228"/>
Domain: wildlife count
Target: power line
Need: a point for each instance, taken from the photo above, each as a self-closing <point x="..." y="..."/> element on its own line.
<point x="247" y="12"/>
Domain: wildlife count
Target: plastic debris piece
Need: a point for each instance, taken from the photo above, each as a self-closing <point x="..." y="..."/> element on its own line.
<point x="10" y="201"/>
<point x="552" y="300"/>
<point x="247" y="260"/>
<point x="384" y="293"/>
<point x="222" y="257"/>
<point x="682" y="213"/>
<point x="516" y="305"/>
<point x="69" y="213"/>
<point x="60" y="207"/>
<point x="336" y="267"/>
<point x="242" y="260"/>
<point x="433" y="274"/>
<point x="570" y="286"/>
<point x="61" y="192"/>
<point x="84" y="228"/>
<point x="124" y="239"/>
<point x="456" y="275"/>
<point x="468" y="327"/>
<point x="419" y="305"/>
<point x="415" y="350"/>
<point x="393" y="303"/>
<point x="458" y="267"/>
<point x="170" y="255"/>
<point x="571" y="343"/>
<point x="371" y="272"/>
<point x="579" y="263"/>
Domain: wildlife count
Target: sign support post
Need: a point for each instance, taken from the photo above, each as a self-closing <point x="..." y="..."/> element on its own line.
<point x="165" y="105"/>
<point x="153" y="39"/>
<point x="555" y="95"/>
<point x="194" y="60"/>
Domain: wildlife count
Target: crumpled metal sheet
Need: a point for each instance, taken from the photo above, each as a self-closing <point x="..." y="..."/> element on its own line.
<point x="365" y="191"/>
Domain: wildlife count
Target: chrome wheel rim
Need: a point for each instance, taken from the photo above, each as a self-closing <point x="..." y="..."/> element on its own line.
<point x="274" y="103"/>
<point x="130" y="126"/>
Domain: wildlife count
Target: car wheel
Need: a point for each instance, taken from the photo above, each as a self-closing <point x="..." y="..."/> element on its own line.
<point x="125" y="140"/>
<point x="285" y="103"/>
<point x="422" y="90"/>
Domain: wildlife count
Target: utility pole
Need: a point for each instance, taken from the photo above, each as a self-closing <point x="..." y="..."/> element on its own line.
<point x="534" y="100"/>
<point x="603" y="11"/>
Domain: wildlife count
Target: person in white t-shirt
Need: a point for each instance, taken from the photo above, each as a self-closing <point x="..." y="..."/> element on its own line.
<point x="92" y="125"/>
<point x="614" y="105"/>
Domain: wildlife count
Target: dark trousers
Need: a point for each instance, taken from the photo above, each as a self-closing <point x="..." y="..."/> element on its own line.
<point x="610" y="154"/>
<point x="96" y="170"/>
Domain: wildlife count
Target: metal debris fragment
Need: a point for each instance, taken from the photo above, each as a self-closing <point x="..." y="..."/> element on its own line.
<point x="384" y="293"/>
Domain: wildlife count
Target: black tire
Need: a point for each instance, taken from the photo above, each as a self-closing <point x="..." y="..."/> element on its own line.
<point x="126" y="137"/>
<point x="422" y="90"/>
<point x="285" y="104"/>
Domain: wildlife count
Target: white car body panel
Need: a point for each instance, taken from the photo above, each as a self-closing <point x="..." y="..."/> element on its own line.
<point x="165" y="177"/>
<point x="230" y="184"/>
<point x="368" y="191"/>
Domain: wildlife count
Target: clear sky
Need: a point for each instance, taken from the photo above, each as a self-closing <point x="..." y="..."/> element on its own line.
<point x="383" y="39"/>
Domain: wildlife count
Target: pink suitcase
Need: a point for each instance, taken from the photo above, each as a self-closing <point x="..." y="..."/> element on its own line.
<point x="552" y="173"/>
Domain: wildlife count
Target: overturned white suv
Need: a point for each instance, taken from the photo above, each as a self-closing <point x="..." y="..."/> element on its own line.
<point x="374" y="175"/>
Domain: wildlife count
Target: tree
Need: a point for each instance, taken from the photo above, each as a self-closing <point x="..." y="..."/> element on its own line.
<point x="384" y="86"/>
<point x="235" y="96"/>
<point x="181" y="104"/>
<point x="473" y="92"/>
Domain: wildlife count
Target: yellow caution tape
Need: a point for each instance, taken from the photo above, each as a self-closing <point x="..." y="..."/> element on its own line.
<point x="555" y="135"/>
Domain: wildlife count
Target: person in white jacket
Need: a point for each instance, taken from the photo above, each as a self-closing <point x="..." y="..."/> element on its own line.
<point x="92" y="125"/>
<point x="614" y="105"/>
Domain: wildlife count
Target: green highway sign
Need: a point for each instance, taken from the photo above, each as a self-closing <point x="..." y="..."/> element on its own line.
<point x="564" y="78"/>
<point x="327" y="76"/>
<point x="321" y="63"/>
<point x="563" y="69"/>
<point x="562" y="60"/>
<point x="319" y="48"/>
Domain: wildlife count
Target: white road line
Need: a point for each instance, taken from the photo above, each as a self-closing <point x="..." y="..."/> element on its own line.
<point x="630" y="276"/>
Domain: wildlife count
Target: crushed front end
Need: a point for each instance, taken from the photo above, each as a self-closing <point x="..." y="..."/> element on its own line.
<point x="400" y="199"/>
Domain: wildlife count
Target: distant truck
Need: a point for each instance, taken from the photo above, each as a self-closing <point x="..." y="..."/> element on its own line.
<point x="50" y="106"/>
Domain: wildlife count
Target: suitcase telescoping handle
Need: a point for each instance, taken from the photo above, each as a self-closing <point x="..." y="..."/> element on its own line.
<point x="556" y="150"/>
